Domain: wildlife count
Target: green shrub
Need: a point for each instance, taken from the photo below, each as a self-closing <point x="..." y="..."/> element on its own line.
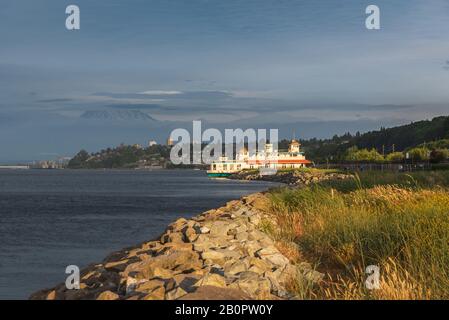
<point x="395" y="157"/>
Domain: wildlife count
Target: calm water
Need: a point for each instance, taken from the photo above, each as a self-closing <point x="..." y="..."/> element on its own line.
<point x="51" y="219"/>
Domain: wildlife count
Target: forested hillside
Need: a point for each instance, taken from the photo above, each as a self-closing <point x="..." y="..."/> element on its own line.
<point x="426" y="133"/>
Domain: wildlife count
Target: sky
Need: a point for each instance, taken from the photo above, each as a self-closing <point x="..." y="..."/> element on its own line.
<point x="139" y="68"/>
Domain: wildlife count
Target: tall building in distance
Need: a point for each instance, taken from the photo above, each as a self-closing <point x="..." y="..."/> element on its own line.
<point x="152" y="143"/>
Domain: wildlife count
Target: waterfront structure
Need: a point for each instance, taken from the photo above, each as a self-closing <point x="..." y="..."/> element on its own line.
<point x="266" y="160"/>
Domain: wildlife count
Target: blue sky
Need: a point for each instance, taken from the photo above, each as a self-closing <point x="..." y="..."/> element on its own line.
<point x="306" y="65"/>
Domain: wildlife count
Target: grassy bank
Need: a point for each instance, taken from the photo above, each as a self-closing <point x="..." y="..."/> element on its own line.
<point x="399" y="222"/>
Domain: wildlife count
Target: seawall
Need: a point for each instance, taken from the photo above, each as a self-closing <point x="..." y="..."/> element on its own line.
<point x="219" y="254"/>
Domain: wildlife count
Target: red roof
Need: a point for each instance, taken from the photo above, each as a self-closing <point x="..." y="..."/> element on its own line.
<point x="292" y="161"/>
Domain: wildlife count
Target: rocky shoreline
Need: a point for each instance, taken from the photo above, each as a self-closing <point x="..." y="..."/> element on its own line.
<point x="221" y="254"/>
<point x="291" y="177"/>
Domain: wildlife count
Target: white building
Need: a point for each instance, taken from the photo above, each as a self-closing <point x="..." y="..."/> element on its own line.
<point x="152" y="143"/>
<point x="267" y="159"/>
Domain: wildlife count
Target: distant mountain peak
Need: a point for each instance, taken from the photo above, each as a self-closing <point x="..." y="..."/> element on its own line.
<point x="123" y="115"/>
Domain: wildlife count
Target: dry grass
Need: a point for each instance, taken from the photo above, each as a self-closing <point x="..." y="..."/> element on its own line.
<point x="289" y="250"/>
<point x="402" y="229"/>
<point x="395" y="284"/>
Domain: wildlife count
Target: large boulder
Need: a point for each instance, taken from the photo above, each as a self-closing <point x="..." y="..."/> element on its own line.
<point x="175" y="294"/>
<point x="175" y="262"/>
<point x="235" y="267"/>
<point x="251" y="283"/>
<point x="219" y="255"/>
<point x="149" y="286"/>
<point x="273" y="256"/>
<point x="211" y="279"/>
<point x="108" y="295"/>
<point x="157" y="294"/>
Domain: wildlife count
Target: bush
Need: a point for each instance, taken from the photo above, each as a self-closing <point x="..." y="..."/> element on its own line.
<point x="419" y="154"/>
<point x="395" y="157"/>
<point x="439" y="155"/>
<point x="355" y="154"/>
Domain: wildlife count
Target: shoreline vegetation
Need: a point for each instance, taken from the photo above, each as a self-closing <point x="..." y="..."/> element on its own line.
<point x="311" y="239"/>
<point x="421" y="142"/>
<point x="396" y="221"/>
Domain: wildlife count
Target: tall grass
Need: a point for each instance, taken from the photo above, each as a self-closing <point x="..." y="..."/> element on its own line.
<point x="369" y="179"/>
<point x="399" y="223"/>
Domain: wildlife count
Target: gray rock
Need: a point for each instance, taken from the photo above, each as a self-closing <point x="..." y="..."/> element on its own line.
<point x="213" y="255"/>
<point x="211" y="279"/>
<point x="252" y="284"/>
<point x="273" y="256"/>
<point x="256" y="235"/>
<point x="190" y="234"/>
<point x="175" y="294"/>
<point x="251" y="247"/>
<point x="204" y="230"/>
<point x="236" y="267"/>
<point x="219" y="228"/>
<point x="255" y="220"/>
<point x="241" y="236"/>
<point x="277" y="259"/>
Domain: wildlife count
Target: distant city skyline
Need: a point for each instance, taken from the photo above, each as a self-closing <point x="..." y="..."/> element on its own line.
<point x="138" y="69"/>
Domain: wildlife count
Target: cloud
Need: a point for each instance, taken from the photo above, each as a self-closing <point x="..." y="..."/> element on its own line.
<point x="446" y="66"/>
<point x="135" y="106"/>
<point x="168" y="94"/>
<point x="224" y="106"/>
<point x="160" y="92"/>
<point x="55" y="100"/>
